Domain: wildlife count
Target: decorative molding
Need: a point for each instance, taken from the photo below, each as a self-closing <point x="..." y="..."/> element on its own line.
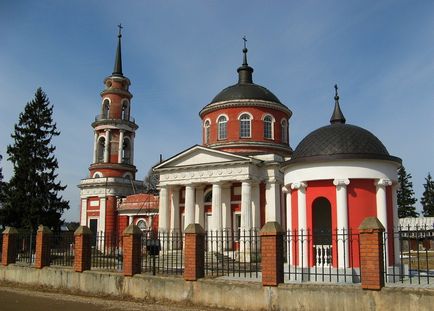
<point x="341" y="182"/>
<point x="383" y="182"/>
<point x="298" y="185"/>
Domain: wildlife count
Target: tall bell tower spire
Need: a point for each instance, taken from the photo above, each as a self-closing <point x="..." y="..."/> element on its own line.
<point x="112" y="171"/>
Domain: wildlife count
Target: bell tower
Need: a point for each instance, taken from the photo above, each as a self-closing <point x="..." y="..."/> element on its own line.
<point x="112" y="172"/>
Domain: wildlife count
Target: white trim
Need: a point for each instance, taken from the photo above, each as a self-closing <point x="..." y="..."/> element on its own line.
<point x="250" y="124"/>
<point x="226" y="127"/>
<point x="245" y="112"/>
<point x="221" y="115"/>
<point x="99" y="173"/>
<point x="273" y="120"/>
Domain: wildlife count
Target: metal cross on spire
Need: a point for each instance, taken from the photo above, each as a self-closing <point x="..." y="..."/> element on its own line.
<point x="120" y="30"/>
<point x="336" y="92"/>
<point x="245" y="41"/>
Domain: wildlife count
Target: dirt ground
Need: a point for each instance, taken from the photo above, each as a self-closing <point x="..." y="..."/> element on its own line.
<point x="14" y="298"/>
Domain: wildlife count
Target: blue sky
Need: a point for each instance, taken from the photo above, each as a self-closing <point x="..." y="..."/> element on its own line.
<point x="180" y="54"/>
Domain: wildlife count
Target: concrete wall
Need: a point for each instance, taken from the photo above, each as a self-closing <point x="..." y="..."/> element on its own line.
<point x="223" y="293"/>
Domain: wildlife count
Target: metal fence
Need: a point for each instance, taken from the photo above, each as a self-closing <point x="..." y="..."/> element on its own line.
<point x="322" y="256"/>
<point x="25" y="247"/>
<point x="233" y="253"/>
<point x="62" y="249"/>
<point x="416" y="256"/>
<point x="106" y="252"/>
<point x="163" y="253"/>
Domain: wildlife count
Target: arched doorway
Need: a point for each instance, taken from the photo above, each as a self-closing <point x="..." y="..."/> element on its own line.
<point x="322" y="231"/>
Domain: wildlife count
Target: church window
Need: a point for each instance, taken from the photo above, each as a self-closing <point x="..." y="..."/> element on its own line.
<point x="106" y="109"/>
<point x="126" y="151"/>
<point x="245" y="125"/>
<point x="268" y="127"/>
<point x="222" y="127"/>
<point x="142" y="225"/>
<point x="284" y="125"/>
<point x="125" y="111"/>
<point x="100" y="150"/>
<point x="207" y="131"/>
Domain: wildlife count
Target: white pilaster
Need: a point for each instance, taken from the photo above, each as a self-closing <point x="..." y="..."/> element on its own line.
<point x="102" y="212"/>
<point x="216" y="217"/>
<point x="106" y="146"/>
<point x="83" y="218"/>
<point x="382" y="206"/>
<point x="256" y="217"/>
<point x="163" y="221"/>
<point x="130" y="220"/>
<point x="302" y="222"/>
<point x="226" y="206"/>
<point x="199" y="210"/>
<point x="95" y="144"/>
<point x="288" y="197"/>
<point x="121" y="145"/>
<point x="272" y="198"/>
<point x="133" y="135"/>
<point x="342" y="221"/>
<point x="174" y="208"/>
<point x="189" y="205"/>
<point x="246" y="205"/>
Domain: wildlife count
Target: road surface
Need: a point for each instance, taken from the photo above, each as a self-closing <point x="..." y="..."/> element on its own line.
<point x="23" y="299"/>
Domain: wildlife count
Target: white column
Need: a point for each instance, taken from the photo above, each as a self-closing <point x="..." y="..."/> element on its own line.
<point x="226" y="206"/>
<point x="83" y="216"/>
<point x="163" y="221"/>
<point x="302" y="222"/>
<point x="272" y="198"/>
<point x="102" y="212"/>
<point x="382" y="207"/>
<point x="288" y="196"/>
<point x="121" y="145"/>
<point x="342" y="221"/>
<point x="256" y="217"/>
<point x="130" y="220"/>
<point x="95" y="144"/>
<point x="396" y="243"/>
<point x="174" y="208"/>
<point x="106" y="146"/>
<point x="216" y="217"/>
<point x="189" y="205"/>
<point x="246" y="205"/>
<point x="199" y="210"/>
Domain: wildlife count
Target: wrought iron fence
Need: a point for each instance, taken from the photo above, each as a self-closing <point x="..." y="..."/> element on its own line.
<point x="233" y="253"/>
<point x="106" y="252"/>
<point x="413" y="262"/>
<point x="62" y="249"/>
<point x="163" y="253"/>
<point x="322" y="256"/>
<point x="25" y="247"/>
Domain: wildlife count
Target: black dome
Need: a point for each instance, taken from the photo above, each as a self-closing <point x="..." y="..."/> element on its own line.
<point x="340" y="141"/>
<point x="245" y="91"/>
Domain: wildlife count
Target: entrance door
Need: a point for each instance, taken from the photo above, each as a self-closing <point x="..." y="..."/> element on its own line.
<point x="93" y="225"/>
<point x="322" y="231"/>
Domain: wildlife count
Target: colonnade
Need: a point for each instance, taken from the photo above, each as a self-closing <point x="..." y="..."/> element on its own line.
<point x="107" y="137"/>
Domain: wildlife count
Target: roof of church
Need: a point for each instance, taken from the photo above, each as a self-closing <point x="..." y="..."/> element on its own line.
<point x="340" y="141"/>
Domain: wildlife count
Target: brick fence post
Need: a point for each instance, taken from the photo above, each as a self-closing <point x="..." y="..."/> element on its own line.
<point x="82" y="248"/>
<point x="43" y="244"/>
<point x="9" y="247"/>
<point x="371" y="253"/>
<point x="272" y="254"/>
<point x="194" y="252"/>
<point x="132" y="252"/>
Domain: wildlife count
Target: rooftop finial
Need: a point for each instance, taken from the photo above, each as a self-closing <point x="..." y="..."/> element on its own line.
<point x="120" y="30"/>
<point x="245" y="51"/>
<point x="117" y="70"/>
<point x="337" y="116"/>
<point x="245" y="71"/>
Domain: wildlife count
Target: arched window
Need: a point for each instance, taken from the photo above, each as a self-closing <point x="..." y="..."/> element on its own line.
<point x="97" y="175"/>
<point x="284" y="129"/>
<point x="106" y="109"/>
<point x="126" y="151"/>
<point x="207" y="131"/>
<point x="222" y="127"/>
<point x="268" y="127"/>
<point x="142" y="225"/>
<point x="245" y="125"/>
<point x="100" y="150"/>
<point x="125" y="110"/>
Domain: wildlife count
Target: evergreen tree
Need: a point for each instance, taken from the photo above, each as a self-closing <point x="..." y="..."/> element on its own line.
<point x="31" y="197"/>
<point x="406" y="199"/>
<point x="427" y="199"/>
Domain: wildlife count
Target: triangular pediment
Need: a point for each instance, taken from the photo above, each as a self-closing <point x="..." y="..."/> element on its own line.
<point x="199" y="155"/>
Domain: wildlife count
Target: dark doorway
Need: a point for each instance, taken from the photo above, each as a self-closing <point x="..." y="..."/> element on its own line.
<point x="322" y="221"/>
<point x="93" y="224"/>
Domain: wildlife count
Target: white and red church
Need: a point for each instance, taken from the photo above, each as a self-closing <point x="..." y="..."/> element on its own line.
<point x="244" y="173"/>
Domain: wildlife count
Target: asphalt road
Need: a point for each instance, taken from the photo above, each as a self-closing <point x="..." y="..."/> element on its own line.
<point x="22" y="299"/>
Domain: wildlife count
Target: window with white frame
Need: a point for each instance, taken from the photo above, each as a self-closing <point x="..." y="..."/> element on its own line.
<point x="268" y="127"/>
<point x="284" y="125"/>
<point x="222" y="127"/>
<point x="207" y="131"/>
<point x="106" y="109"/>
<point x="245" y="123"/>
